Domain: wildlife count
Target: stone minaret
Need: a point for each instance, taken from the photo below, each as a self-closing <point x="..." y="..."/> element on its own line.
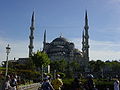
<point x="44" y="42"/>
<point x="83" y="42"/>
<point x="31" y="37"/>
<point x="86" y="39"/>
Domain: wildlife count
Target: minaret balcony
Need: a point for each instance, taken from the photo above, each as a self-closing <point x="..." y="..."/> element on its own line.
<point x="31" y="46"/>
<point x="32" y="28"/>
<point x="31" y="37"/>
<point x="86" y="27"/>
<point x="86" y="46"/>
<point x="86" y="36"/>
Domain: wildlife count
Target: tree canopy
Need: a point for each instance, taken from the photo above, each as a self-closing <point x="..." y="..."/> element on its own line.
<point x="40" y="59"/>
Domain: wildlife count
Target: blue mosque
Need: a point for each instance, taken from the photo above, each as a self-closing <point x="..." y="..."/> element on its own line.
<point x="61" y="49"/>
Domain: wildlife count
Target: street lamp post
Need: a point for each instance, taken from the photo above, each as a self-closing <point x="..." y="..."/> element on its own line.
<point x="7" y="51"/>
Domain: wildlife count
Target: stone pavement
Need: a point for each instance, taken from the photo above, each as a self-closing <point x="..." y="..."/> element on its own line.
<point x="34" y="86"/>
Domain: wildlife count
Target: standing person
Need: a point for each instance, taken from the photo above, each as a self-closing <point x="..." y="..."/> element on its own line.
<point x="6" y="85"/>
<point x="89" y="85"/>
<point x="57" y="83"/>
<point x="116" y="85"/>
<point x="46" y="85"/>
<point x="76" y="84"/>
<point x="13" y="82"/>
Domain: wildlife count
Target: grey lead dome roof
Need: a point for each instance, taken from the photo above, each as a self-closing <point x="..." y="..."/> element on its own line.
<point x="60" y="39"/>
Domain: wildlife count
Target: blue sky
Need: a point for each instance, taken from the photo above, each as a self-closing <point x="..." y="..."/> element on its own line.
<point x="60" y="16"/>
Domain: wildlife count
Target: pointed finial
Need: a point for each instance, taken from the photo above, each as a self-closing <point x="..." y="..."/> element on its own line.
<point x="86" y="27"/>
<point x="32" y="21"/>
<point x="33" y="17"/>
<point x="61" y="35"/>
<point x="45" y="31"/>
<point x="86" y="14"/>
<point x="44" y="37"/>
<point x="86" y="18"/>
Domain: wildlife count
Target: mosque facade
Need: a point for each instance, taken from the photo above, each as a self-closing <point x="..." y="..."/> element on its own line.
<point x="61" y="49"/>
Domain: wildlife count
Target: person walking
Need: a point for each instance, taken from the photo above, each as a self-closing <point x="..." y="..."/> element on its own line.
<point x="6" y="85"/>
<point x="13" y="82"/>
<point x="89" y="84"/>
<point x="57" y="83"/>
<point x="76" y="84"/>
<point x="116" y="84"/>
<point x="46" y="85"/>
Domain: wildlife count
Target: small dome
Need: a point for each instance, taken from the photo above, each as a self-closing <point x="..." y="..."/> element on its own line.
<point x="60" y="39"/>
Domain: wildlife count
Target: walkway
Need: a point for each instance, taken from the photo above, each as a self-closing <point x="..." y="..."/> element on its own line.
<point x="30" y="87"/>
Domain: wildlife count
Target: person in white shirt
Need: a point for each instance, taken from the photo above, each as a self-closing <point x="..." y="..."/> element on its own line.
<point x="116" y="85"/>
<point x="7" y="84"/>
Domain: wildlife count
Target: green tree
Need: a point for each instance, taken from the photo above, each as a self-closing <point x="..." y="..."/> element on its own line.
<point x="75" y="67"/>
<point x="115" y="66"/>
<point x="98" y="66"/>
<point x="58" y="65"/>
<point x="92" y="65"/>
<point x="72" y="68"/>
<point x="62" y="65"/>
<point x="40" y="59"/>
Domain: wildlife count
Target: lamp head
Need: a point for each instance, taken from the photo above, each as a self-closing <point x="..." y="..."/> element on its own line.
<point x="8" y="49"/>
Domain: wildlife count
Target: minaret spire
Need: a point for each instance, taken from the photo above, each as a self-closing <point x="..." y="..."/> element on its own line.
<point x="45" y="36"/>
<point x="44" y="42"/>
<point x="31" y="37"/>
<point x="86" y="19"/>
<point x="86" y="38"/>
<point x="32" y="20"/>
<point x="83" y="42"/>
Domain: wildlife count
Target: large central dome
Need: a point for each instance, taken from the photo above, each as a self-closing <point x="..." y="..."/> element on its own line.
<point x="61" y="49"/>
<point x="60" y="39"/>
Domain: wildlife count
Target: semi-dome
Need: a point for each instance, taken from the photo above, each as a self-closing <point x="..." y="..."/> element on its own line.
<point x="60" y="39"/>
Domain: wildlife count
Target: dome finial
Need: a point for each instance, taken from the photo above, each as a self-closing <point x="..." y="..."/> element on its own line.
<point x="61" y="35"/>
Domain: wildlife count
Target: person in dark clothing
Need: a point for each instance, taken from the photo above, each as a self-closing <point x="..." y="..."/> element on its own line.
<point x="46" y="85"/>
<point x="76" y="84"/>
<point x="89" y="84"/>
<point x="13" y="82"/>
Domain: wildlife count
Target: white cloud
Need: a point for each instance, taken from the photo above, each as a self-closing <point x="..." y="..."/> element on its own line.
<point x="104" y="50"/>
<point x="98" y="49"/>
<point x="19" y="49"/>
<point x="101" y="50"/>
<point x="104" y="55"/>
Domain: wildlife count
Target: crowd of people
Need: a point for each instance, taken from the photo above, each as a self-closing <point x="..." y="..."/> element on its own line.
<point x="88" y="85"/>
<point x="56" y="84"/>
<point x="10" y="83"/>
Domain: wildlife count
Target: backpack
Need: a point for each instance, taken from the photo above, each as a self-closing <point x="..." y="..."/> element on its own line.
<point x="45" y="86"/>
<point x="13" y="83"/>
